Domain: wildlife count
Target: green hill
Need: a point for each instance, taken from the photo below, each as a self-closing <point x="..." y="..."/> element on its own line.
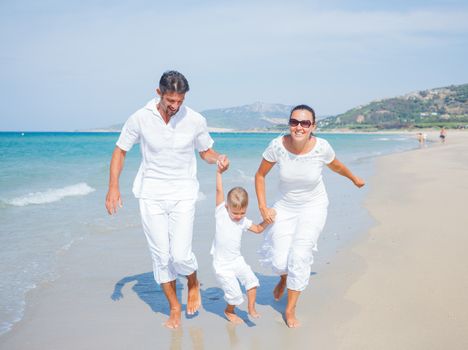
<point x="447" y="106"/>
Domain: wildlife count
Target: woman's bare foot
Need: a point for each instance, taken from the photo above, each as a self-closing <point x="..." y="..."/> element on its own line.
<point x="232" y="317"/>
<point x="174" y="318"/>
<point x="291" y="320"/>
<point x="279" y="289"/>
<point x="253" y="312"/>
<point x="193" y="298"/>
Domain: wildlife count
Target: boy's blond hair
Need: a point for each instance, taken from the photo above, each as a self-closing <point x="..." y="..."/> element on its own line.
<point x="238" y="198"/>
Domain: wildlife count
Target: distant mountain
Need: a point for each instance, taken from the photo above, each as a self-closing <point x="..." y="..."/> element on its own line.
<point x="257" y="115"/>
<point x="446" y="106"/>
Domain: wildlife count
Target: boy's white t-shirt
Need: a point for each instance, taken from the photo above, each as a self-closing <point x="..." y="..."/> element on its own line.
<point x="227" y="242"/>
<point x="168" y="168"/>
<point x="300" y="175"/>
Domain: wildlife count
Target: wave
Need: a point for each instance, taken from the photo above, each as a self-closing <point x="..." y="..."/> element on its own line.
<point x="245" y="177"/>
<point x="51" y="195"/>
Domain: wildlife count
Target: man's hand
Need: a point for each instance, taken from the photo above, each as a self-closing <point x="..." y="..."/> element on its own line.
<point x="113" y="200"/>
<point x="222" y="162"/>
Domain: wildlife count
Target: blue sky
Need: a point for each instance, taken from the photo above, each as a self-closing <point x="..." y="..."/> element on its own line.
<point x="68" y="65"/>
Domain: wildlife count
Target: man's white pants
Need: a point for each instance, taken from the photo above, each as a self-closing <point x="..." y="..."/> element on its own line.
<point x="227" y="274"/>
<point x="168" y="227"/>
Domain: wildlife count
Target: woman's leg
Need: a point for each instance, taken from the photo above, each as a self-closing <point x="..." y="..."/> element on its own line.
<point x="290" y="312"/>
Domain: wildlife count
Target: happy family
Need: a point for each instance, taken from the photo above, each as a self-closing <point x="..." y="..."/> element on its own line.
<point x="167" y="187"/>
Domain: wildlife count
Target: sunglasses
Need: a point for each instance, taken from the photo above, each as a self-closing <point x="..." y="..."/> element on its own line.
<point x="304" y="123"/>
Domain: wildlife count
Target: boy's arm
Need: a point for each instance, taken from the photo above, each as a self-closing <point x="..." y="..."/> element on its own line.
<point x="258" y="228"/>
<point x="219" y="188"/>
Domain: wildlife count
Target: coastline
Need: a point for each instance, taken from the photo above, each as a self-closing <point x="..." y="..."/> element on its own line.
<point x="76" y="311"/>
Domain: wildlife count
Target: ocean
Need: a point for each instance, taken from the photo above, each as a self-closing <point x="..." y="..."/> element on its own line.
<point x="53" y="186"/>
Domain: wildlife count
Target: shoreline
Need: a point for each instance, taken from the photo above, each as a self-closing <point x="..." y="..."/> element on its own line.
<point x="76" y="310"/>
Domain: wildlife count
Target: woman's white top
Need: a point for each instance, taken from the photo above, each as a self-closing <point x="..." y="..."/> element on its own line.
<point x="168" y="168"/>
<point x="300" y="175"/>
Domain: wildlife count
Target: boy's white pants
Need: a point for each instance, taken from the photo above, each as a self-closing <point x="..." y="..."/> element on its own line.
<point x="168" y="227"/>
<point x="227" y="274"/>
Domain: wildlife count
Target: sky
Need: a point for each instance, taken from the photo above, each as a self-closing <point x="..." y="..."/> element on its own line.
<point x="77" y="65"/>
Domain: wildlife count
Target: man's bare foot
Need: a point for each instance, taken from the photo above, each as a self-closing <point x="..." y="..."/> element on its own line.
<point x="232" y="317"/>
<point x="174" y="318"/>
<point x="279" y="289"/>
<point x="194" y="298"/>
<point x="291" y="320"/>
<point x="253" y="312"/>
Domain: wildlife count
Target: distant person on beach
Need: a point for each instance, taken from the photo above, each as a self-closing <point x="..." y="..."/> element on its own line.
<point x="166" y="184"/>
<point x="443" y="135"/>
<point x="302" y="205"/>
<point x="422" y="139"/>
<point x="228" y="263"/>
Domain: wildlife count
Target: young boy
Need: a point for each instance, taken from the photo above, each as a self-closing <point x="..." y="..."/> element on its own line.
<point x="228" y="263"/>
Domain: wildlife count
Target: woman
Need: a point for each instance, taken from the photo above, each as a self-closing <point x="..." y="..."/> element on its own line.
<point x="301" y="210"/>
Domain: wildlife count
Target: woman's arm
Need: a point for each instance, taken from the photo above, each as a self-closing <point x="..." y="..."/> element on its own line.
<point x="341" y="169"/>
<point x="263" y="169"/>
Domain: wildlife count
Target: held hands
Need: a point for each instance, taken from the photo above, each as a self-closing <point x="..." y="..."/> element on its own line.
<point x="223" y="163"/>
<point x="268" y="214"/>
<point x="113" y="200"/>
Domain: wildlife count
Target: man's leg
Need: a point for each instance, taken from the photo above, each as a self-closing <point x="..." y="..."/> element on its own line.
<point x="194" y="298"/>
<point x="184" y="262"/>
<point x="155" y="225"/>
<point x="170" y="291"/>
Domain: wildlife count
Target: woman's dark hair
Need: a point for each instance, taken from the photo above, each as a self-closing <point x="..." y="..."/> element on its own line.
<point x="304" y="107"/>
<point x="173" y="81"/>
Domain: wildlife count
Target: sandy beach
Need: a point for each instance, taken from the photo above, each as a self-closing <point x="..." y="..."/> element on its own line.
<point x="402" y="285"/>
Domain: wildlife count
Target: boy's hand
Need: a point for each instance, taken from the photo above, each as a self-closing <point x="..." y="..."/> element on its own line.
<point x="223" y="163"/>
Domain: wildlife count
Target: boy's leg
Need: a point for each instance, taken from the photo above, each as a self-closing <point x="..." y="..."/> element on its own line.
<point x="250" y="282"/>
<point x="230" y="314"/>
<point x="232" y="293"/>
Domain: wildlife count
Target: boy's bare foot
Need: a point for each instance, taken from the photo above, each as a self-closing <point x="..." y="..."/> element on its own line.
<point x="232" y="317"/>
<point x="174" y="318"/>
<point x="194" y="298"/>
<point x="279" y="289"/>
<point x="291" y="320"/>
<point x="253" y="312"/>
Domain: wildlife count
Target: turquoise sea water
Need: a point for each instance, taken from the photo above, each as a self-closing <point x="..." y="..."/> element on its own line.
<point x="53" y="185"/>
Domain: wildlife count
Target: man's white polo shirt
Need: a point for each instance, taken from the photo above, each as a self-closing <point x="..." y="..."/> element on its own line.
<point x="169" y="167"/>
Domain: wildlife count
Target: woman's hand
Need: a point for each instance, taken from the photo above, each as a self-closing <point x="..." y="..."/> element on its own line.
<point x="358" y="182"/>
<point x="268" y="214"/>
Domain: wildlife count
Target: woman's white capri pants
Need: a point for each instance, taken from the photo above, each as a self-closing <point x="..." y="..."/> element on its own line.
<point x="291" y="240"/>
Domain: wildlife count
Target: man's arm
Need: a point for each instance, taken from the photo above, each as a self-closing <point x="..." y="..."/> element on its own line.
<point x="212" y="157"/>
<point x="113" y="198"/>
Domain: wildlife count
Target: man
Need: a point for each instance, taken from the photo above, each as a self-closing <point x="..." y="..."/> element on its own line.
<point x="166" y="184"/>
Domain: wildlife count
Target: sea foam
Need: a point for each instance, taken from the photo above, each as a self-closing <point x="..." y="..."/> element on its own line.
<point x="51" y="195"/>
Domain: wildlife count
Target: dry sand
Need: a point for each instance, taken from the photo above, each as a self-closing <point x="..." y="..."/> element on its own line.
<point x="401" y="286"/>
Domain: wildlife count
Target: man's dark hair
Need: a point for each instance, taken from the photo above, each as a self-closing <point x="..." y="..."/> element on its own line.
<point x="304" y="107"/>
<point x="173" y="81"/>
